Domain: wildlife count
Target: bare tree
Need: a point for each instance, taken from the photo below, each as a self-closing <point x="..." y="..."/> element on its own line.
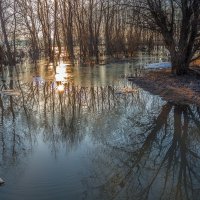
<point x="177" y="21"/>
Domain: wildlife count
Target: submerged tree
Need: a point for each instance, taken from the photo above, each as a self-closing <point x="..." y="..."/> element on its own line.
<point x="91" y="28"/>
<point x="178" y="22"/>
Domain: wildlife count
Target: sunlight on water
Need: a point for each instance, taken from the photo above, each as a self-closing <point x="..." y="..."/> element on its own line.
<point x="62" y="73"/>
<point x="88" y="133"/>
<point x="61" y="88"/>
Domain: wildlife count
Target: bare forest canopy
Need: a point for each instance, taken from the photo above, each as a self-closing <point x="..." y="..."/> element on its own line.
<point x="89" y="28"/>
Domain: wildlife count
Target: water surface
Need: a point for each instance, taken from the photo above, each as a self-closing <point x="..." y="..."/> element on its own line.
<point x="88" y="133"/>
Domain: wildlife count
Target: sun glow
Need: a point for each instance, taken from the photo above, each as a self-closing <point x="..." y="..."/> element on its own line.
<point x="63" y="75"/>
<point x="61" y="88"/>
<point x="60" y="73"/>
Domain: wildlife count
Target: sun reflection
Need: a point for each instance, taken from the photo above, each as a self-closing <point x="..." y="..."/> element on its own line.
<point x="61" y="88"/>
<point x="60" y="73"/>
<point x="63" y="73"/>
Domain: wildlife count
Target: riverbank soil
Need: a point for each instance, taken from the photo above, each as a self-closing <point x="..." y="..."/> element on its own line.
<point x="178" y="89"/>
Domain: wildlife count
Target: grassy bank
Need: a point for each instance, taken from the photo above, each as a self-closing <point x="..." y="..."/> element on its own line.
<point x="178" y="89"/>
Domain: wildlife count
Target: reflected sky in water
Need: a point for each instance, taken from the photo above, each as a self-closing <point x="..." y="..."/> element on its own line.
<point x="87" y="133"/>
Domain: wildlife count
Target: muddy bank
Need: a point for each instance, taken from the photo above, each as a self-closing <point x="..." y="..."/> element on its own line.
<point x="184" y="89"/>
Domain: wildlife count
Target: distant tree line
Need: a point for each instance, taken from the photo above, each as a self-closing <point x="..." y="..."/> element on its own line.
<point x="81" y="27"/>
<point x="50" y="25"/>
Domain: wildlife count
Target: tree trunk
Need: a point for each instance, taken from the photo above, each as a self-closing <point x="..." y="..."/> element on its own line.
<point x="9" y="54"/>
<point x="180" y="65"/>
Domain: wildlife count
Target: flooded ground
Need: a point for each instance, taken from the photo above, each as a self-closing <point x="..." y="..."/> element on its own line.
<point x="88" y="133"/>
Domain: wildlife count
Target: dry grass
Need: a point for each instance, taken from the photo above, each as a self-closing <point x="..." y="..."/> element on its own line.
<point x="179" y="89"/>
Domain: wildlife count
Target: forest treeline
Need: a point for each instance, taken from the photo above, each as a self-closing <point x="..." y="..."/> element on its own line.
<point x="89" y="28"/>
<point x="84" y="28"/>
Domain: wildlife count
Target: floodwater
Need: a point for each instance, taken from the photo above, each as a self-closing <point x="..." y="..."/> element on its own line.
<point x="88" y="133"/>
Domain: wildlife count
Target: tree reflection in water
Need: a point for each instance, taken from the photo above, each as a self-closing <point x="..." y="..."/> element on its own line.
<point x="161" y="162"/>
<point x="59" y="117"/>
<point x="139" y="153"/>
